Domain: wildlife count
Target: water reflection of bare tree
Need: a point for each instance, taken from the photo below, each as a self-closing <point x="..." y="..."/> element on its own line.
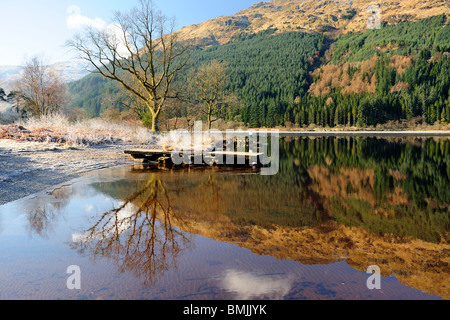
<point x="45" y="211"/>
<point x="40" y="221"/>
<point x="140" y="235"/>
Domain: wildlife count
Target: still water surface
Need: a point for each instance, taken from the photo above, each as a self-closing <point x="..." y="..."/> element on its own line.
<point x="336" y="207"/>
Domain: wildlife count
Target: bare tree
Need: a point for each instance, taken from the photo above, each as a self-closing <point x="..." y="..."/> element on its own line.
<point x="209" y="87"/>
<point x="146" y="242"/>
<point x="173" y="113"/>
<point x="40" y="91"/>
<point x="140" y="51"/>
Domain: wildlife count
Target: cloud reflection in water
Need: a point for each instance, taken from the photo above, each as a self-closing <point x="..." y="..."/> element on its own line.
<point x="249" y="285"/>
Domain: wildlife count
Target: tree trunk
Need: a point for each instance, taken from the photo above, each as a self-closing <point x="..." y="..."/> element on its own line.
<point x="209" y="117"/>
<point x="155" y="116"/>
<point x="155" y="125"/>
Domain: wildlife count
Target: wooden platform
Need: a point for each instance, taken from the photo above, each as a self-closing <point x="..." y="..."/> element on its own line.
<point x="159" y="155"/>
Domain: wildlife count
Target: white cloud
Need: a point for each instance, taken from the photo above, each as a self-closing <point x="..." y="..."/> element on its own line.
<point x="89" y="208"/>
<point x="76" y="20"/>
<point x="248" y="285"/>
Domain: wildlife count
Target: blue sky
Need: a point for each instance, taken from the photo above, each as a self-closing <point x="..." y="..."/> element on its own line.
<point x="41" y="27"/>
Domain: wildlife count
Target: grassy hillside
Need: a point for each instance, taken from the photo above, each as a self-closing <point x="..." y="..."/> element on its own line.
<point x="329" y="16"/>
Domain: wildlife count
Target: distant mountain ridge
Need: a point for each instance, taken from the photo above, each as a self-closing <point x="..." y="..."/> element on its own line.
<point x="68" y="70"/>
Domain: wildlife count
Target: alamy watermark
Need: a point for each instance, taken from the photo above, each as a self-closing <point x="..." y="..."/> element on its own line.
<point x="229" y="148"/>
<point x="374" y="21"/>
<point x="74" y="280"/>
<point x="374" y="281"/>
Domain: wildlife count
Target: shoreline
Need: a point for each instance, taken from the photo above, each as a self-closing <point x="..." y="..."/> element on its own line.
<point x="369" y="133"/>
<point x="365" y="133"/>
<point x="28" y="168"/>
<point x="32" y="167"/>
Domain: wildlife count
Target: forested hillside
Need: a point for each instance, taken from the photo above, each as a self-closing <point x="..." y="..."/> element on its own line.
<point x="398" y="72"/>
<point x="266" y="72"/>
<point x="92" y="93"/>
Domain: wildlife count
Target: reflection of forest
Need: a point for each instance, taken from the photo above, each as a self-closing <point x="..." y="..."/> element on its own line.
<point x="390" y="202"/>
<point x="385" y="186"/>
<point x="367" y="201"/>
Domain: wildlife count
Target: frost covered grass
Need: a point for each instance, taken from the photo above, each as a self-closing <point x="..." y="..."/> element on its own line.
<point x="89" y="131"/>
<point x="57" y="128"/>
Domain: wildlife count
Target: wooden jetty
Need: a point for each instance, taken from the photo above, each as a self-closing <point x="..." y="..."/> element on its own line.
<point x="229" y="158"/>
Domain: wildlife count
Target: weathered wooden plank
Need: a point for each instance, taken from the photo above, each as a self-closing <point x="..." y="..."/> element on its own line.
<point x="156" y="152"/>
<point x="158" y="155"/>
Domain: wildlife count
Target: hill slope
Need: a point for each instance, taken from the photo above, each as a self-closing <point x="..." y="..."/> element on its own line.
<point x="310" y="16"/>
<point x="283" y="73"/>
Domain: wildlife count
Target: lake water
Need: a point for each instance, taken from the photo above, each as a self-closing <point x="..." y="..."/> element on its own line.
<point x="336" y="207"/>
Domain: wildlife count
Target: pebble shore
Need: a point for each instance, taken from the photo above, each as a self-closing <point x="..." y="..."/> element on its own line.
<point x="28" y="167"/>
